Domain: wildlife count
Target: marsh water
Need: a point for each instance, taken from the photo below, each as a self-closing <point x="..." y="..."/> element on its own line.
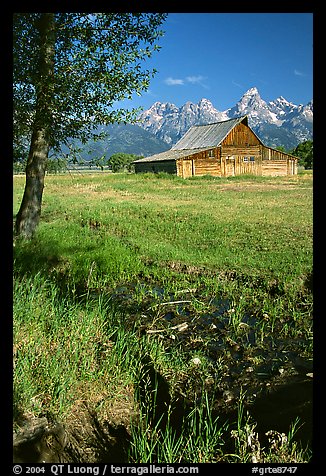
<point x="271" y="373"/>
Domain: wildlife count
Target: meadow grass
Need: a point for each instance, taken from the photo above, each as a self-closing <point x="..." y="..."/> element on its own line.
<point x="247" y="239"/>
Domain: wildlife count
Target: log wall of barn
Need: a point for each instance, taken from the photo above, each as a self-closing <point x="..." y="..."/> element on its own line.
<point x="273" y="154"/>
<point x="274" y="168"/>
<point x="240" y="135"/>
<point x="240" y="160"/>
<point x="254" y="151"/>
<point x="207" y="168"/>
<point x="277" y="163"/>
<point x="206" y="162"/>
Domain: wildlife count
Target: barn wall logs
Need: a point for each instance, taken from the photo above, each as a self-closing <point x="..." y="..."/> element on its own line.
<point x="236" y="160"/>
<point x="241" y="135"/>
<point x="277" y="163"/>
<point x="274" y="168"/>
<point x="206" y="162"/>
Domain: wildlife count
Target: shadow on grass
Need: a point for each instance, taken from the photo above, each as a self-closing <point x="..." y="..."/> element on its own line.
<point x="48" y="259"/>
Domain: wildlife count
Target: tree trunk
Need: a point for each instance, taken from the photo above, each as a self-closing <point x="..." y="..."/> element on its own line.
<point x="29" y="213"/>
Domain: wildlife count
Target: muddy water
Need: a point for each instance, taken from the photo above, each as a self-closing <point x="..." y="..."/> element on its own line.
<point x="266" y="371"/>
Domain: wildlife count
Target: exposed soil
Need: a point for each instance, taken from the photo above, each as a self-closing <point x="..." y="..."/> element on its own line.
<point x="85" y="436"/>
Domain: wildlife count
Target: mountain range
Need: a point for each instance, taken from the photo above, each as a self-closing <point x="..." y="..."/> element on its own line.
<point x="277" y="123"/>
<point x="126" y="138"/>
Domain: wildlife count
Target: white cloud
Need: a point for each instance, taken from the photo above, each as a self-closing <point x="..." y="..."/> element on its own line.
<point x="298" y="73"/>
<point x="237" y="84"/>
<point x="173" y="82"/>
<point x="195" y="79"/>
<point x="199" y="79"/>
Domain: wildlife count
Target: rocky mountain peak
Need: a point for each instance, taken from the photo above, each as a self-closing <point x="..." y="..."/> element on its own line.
<point x="169" y="123"/>
<point x="205" y="103"/>
<point x="282" y="100"/>
<point x="252" y="92"/>
<point x="251" y="99"/>
<point x="189" y="106"/>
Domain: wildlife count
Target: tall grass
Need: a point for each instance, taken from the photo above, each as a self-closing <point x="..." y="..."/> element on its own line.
<point x="56" y="347"/>
<point x="199" y="437"/>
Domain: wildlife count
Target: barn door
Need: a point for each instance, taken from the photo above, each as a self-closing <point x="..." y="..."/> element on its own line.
<point x="187" y="168"/>
<point x="230" y="166"/>
<point x="227" y="166"/>
<point x="291" y="167"/>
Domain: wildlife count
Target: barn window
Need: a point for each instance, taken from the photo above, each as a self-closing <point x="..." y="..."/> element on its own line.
<point x="252" y="159"/>
<point x="211" y="153"/>
<point x="246" y="159"/>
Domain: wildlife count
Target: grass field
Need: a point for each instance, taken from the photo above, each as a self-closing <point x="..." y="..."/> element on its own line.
<point x="120" y="261"/>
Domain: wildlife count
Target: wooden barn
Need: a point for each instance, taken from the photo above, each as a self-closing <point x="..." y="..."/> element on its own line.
<point x="221" y="149"/>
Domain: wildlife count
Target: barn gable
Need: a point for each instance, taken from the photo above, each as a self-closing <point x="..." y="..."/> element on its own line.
<point x="209" y="135"/>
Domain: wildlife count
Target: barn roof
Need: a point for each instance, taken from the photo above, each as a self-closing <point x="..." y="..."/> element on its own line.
<point x="209" y="135"/>
<point x="196" y="139"/>
<point x="169" y="155"/>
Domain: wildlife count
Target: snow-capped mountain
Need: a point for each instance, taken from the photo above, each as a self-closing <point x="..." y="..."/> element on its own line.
<point x="169" y="123"/>
<point x="281" y="106"/>
<point x="256" y="108"/>
<point x="277" y="123"/>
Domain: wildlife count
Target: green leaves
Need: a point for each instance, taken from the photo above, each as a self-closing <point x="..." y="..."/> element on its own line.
<point x="304" y="150"/>
<point x="120" y="162"/>
<point x="98" y="61"/>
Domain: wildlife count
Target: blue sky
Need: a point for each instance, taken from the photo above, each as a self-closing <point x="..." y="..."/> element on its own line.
<point x="220" y="56"/>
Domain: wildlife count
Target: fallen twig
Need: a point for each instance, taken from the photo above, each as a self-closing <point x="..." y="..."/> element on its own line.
<point x="173" y="302"/>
